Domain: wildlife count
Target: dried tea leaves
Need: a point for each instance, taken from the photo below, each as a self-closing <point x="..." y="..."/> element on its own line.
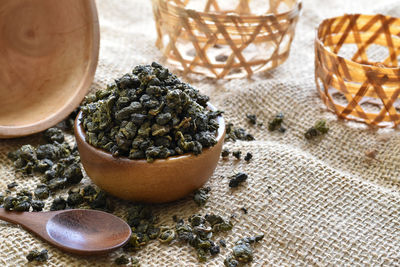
<point x="12" y="185"/>
<point x="37" y="205"/>
<point x="122" y="260"/>
<point x="36" y="255"/>
<point x="237" y="154"/>
<point x="201" y="196"/>
<point x="42" y="191"/>
<point x="149" y="114"/>
<point x="234" y="134"/>
<point x="276" y="123"/>
<point x="166" y="235"/>
<point x="318" y="129"/>
<point x="225" y="153"/>
<point x="252" y="118"/>
<point x="237" y="179"/>
<point x="143" y="224"/>
<point x="59" y="203"/>
<point x="59" y="163"/>
<point x="199" y="231"/>
<point x="87" y="196"/>
<point x="248" y="156"/>
<point x="22" y="201"/>
<point x="242" y="251"/>
<point x="68" y="123"/>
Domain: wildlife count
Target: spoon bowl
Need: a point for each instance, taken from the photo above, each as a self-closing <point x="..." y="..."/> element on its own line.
<point x="78" y="231"/>
<point x="87" y="230"/>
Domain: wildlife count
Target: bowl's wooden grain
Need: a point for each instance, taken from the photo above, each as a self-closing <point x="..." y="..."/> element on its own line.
<point x="163" y="180"/>
<point x="49" y="52"/>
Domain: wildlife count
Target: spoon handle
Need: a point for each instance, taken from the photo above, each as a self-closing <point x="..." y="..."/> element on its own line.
<point x="34" y="221"/>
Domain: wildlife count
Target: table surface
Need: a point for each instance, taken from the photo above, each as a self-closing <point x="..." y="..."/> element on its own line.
<point x="317" y="203"/>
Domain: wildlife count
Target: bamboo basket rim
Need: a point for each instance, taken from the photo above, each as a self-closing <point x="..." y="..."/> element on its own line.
<point x="349" y="61"/>
<point x="292" y="13"/>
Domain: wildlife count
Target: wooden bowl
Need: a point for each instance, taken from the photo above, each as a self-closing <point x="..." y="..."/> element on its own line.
<point x="163" y="180"/>
<point x="49" y="52"/>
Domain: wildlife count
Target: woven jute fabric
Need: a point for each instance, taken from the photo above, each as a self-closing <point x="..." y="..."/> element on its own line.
<point x="321" y="203"/>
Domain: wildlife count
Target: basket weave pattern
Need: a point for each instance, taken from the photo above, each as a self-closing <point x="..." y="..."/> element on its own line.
<point x="223" y="43"/>
<point x="361" y="82"/>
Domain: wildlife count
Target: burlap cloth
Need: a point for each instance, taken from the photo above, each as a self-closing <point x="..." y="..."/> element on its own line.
<point x="318" y="203"/>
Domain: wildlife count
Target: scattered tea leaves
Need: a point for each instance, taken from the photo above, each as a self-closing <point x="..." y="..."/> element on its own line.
<point x="59" y="203"/>
<point x="122" y="260"/>
<point x="36" y="255"/>
<point x="198" y="233"/>
<point x="318" y="129"/>
<point x="201" y="196"/>
<point x="230" y="261"/>
<point x="135" y="262"/>
<point x="17" y="203"/>
<point x="276" y="123"/>
<point x="252" y="118"/>
<point x="12" y="185"/>
<point x="242" y="251"/>
<point x="59" y="163"/>
<point x="225" y="153"/>
<point x="166" y="235"/>
<point x="42" y="191"/>
<point x="68" y="123"/>
<point x="75" y="198"/>
<point x="143" y="225"/>
<point x="248" y="156"/>
<point x="234" y="134"/>
<point x="37" y="205"/>
<point x="237" y="154"/>
<point x="237" y="179"/>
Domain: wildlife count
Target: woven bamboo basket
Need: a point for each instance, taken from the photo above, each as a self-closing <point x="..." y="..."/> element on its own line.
<point x="225" y="38"/>
<point x="357" y="67"/>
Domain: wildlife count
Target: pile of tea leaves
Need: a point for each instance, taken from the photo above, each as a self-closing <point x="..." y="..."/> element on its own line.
<point x="149" y="114"/>
<point x="59" y="164"/>
<point x="56" y="160"/>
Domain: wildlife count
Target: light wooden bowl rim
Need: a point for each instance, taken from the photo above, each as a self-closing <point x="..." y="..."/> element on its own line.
<point x="28" y="129"/>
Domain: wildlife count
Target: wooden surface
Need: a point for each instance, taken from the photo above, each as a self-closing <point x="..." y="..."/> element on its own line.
<point x="369" y="89"/>
<point x="48" y="57"/>
<point x="223" y="41"/>
<point x="83" y="232"/>
<point x="163" y="180"/>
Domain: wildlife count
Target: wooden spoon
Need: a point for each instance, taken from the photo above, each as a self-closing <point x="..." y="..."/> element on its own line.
<point x="84" y="232"/>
